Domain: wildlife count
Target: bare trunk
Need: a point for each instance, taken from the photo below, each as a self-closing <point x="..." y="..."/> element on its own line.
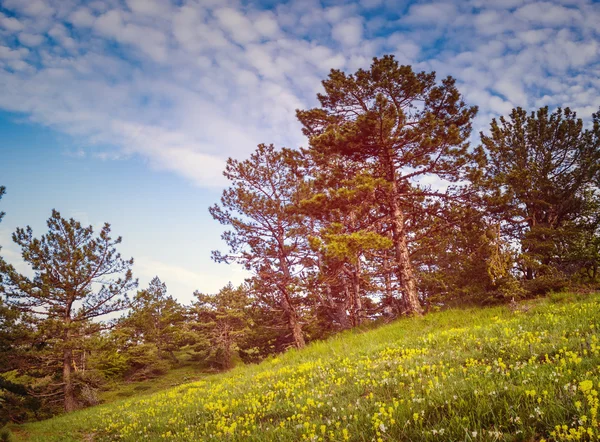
<point x="387" y="278"/>
<point x="288" y="307"/>
<point x="404" y="270"/>
<point x="338" y="310"/>
<point x="227" y="351"/>
<point x="391" y="303"/>
<point x="293" y="321"/>
<point x="356" y="300"/>
<point x="528" y="273"/>
<point x="67" y="379"/>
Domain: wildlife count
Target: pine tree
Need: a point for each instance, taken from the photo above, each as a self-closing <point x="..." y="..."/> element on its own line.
<point x="78" y="278"/>
<point x="267" y="237"/>
<point x="540" y="180"/>
<point x="223" y="322"/>
<point x="343" y="205"/>
<point x="155" y="320"/>
<point x="401" y="126"/>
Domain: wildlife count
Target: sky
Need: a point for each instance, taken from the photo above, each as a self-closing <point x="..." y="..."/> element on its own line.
<point x="125" y="111"/>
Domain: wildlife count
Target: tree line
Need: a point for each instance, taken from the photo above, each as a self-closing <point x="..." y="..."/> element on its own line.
<point x="390" y="210"/>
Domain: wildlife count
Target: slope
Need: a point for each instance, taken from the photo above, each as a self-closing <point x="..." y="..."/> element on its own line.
<point x="475" y="374"/>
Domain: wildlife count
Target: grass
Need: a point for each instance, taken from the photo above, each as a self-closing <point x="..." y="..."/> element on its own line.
<point x="187" y="372"/>
<point x="474" y="374"/>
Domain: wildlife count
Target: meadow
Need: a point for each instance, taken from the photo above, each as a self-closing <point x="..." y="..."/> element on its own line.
<point x="493" y="374"/>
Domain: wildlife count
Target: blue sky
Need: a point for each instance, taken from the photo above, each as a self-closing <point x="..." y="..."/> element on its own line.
<point x="125" y="110"/>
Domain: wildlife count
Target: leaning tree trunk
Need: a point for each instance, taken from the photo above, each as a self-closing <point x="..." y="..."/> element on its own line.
<point x="404" y="269"/>
<point x="292" y="319"/>
<point x="287" y="305"/>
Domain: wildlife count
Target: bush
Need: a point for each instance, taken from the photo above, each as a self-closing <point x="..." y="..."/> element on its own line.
<point x="544" y="284"/>
<point x="6" y="435"/>
<point x="111" y="363"/>
<point x="150" y="371"/>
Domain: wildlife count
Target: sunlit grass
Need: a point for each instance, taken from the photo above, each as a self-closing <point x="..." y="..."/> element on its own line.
<point x="490" y="374"/>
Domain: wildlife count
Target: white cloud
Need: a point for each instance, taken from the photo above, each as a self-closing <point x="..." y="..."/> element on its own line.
<point x="266" y="25"/>
<point x="149" y="7"/>
<point x="237" y="25"/>
<point x="7" y="53"/>
<point x="151" y="41"/>
<point x="349" y="32"/>
<point x="82" y="17"/>
<point x="35" y="8"/>
<point x="30" y="40"/>
<point x="182" y="281"/>
<point x="548" y="14"/>
<point x="60" y="33"/>
<point x="431" y="13"/>
<point x="10" y="23"/>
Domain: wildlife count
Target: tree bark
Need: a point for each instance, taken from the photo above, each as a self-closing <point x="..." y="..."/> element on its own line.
<point x="356" y="302"/>
<point x="338" y="310"/>
<point x="410" y="298"/>
<point x="288" y="307"/>
<point x="391" y="309"/>
<point x="293" y="322"/>
<point x="67" y="379"/>
<point x="69" y="391"/>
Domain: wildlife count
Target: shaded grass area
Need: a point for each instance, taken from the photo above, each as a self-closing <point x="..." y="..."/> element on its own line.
<point x="185" y="373"/>
<point x="471" y="374"/>
<point x="75" y="426"/>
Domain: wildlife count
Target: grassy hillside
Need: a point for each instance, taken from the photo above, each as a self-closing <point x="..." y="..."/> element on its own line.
<point x="480" y="374"/>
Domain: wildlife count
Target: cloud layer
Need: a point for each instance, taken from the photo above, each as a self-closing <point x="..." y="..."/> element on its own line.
<point x="187" y="84"/>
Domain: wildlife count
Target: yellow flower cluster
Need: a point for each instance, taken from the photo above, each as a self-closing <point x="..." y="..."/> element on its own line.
<point x="443" y="377"/>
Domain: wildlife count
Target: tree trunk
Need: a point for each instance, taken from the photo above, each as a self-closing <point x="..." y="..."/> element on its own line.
<point x="227" y="351"/>
<point x="69" y="391"/>
<point x="67" y="380"/>
<point x="293" y="322"/>
<point x="288" y="307"/>
<point x="338" y="310"/>
<point x="528" y="273"/>
<point x="404" y="270"/>
<point x="356" y="301"/>
<point x="387" y="278"/>
<point x="391" y="309"/>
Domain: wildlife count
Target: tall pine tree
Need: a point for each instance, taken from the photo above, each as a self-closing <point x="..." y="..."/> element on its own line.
<point x="402" y="126"/>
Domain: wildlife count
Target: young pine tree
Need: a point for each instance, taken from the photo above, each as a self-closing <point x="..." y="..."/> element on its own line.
<point x="157" y="320"/>
<point x="78" y="278"/>
<point x="266" y="236"/>
<point x="223" y="322"/>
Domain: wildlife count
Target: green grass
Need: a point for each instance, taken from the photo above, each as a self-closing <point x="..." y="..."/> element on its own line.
<point x="474" y="374"/>
<point x="187" y="372"/>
